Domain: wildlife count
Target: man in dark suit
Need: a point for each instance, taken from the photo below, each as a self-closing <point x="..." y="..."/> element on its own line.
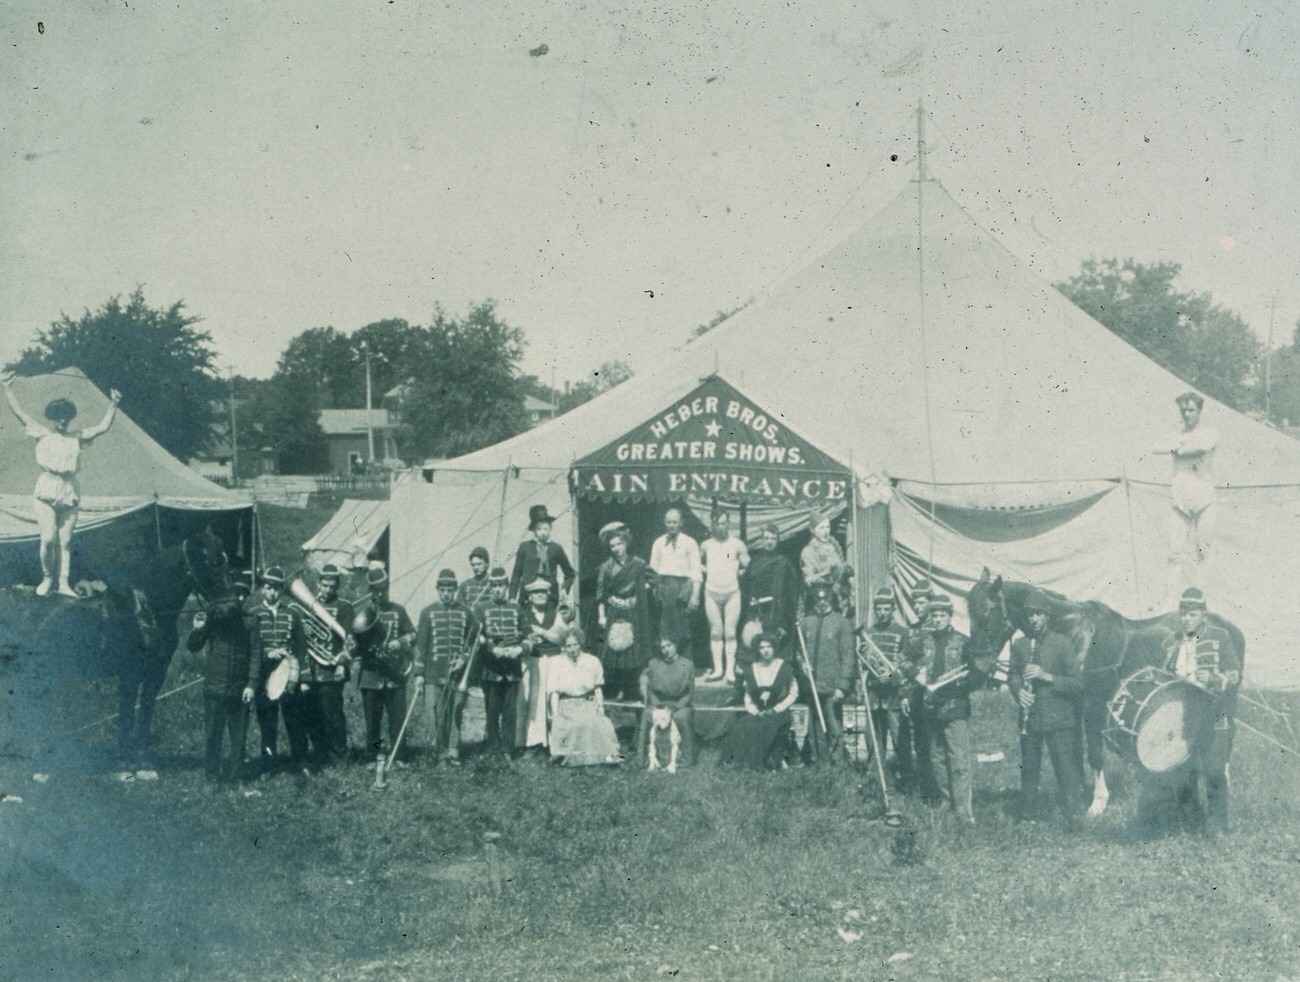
<point x="540" y="557"/>
<point x="1045" y="680"/>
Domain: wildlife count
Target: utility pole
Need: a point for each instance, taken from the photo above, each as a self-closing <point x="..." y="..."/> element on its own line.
<point x="921" y="174"/>
<point x="370" y="429"/>
<point x="234" y="433"/>
<point x="1268" y="361"/>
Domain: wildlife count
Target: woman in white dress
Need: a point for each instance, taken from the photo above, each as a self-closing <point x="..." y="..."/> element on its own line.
<point x="57" y="494"/>
<point x="581" y="733"/>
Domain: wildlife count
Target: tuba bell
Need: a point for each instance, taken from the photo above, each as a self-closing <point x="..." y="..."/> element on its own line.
<point x="366" y="619"/>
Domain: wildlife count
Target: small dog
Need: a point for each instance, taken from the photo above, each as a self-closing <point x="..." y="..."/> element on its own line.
<point x="663" y="727"/>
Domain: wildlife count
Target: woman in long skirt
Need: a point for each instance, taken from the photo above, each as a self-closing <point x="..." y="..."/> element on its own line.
<point x="623" y="586"/>
<point x="57" y="496"/>
<point x="581" y="733"/>
<point x="758" y="740"/>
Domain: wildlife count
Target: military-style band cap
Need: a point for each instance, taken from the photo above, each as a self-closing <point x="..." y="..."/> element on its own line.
<point x="376" y="576"/>
<point x="480" y="552"/>
<point x="273" y="575"/>
<point x="941" y="602"/>
<point x="329" y="571"/>
<point x="884" y="595"/>
<point x="446" y="577"/>
<point x="1192" y="599"/>
<point x="539" y="585"/>
<point x="922" y="589"/>
<point x="497" y="576"/>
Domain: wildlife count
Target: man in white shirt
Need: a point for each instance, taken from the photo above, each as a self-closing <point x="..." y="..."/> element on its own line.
<point x="723" y="557"/>
<point x="1191" y="520"/>
<point x="675" y="558"/>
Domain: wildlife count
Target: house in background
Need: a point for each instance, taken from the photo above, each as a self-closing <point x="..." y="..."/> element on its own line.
<point x="348" y="444"/>
<point x="537" y="411"/>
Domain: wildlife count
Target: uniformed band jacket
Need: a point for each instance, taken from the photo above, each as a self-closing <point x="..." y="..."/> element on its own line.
<point x="1057" y="704"/>
<point x="472" y="592"/>
<point x="939" y="652"/>
<point x="277" y="627"/>
<point x="501" y="629"/>
<point x="548" y="561"/>
<point x="1216" y="650"/>
<point x="829" y="640"/>
<point x="394" y="623"/>
<point x="228" y="663"/>
<point x="892" y="640"/>
<point x="442" y="636"/>
<point x="324" y="642"/>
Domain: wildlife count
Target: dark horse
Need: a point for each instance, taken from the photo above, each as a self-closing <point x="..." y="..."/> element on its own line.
<point x="1110" y="647"/>
<point x="126" y="632"/>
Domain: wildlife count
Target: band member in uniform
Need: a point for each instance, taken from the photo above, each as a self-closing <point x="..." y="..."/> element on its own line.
<point x="475" y="590"/>
<point x="675" y="559"/>
<point x="542" y="627"/>
<point x="889" y="696"/>
<point x="1206" y="655"/>
<point x="500" y="671"/>
<point x="57" y="496"/>
<point x="327" y="680"/>
<point x="229" y="681"/>
<point x="1046" y="680"/>
<point x="828" y="640"/>
<point x="277" y="632"/>
<point x="948" y="674"/>
<point x="771" y="592"/>
<point x="539" y="557"/>
<point x="920" y="595"/>
<point x="724" y="557"/>
<point x="385" y="639"/>
<point x="441" y="639"/>
<point x="623" y="587"/>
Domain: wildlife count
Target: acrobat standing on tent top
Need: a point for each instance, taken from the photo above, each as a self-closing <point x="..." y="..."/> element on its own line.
<point x="1191" y="522"/>
<point x="57" y="496"/>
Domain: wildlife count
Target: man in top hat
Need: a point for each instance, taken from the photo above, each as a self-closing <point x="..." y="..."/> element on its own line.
<point x="1046" y="680"/>
<point x="675" y="559"/>
<point x="327" y="667"/>
<point x="822" y="559"/>
<point x="827" y="638"/>
<point x="888" y="695"/>
<point x="441" y="648"/>
<point x="945" y="710"/>
<point x="770" y="586"/>
<point x="540" y="557"/>
<point x="277" y="633"/>
<point x="542" y="627"/>
<point x="501" y="668"/>
<point x="473" y="591"/>
<point x="1192" y="494"/>
<point x="385" y="639"/>
<point x="1207" y="656"/>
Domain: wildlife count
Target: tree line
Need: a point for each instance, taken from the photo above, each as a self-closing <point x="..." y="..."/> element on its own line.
<point x="455" y="385"/>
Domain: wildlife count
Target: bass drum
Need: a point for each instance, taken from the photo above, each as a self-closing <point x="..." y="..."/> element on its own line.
<point x="1154" y="719"/>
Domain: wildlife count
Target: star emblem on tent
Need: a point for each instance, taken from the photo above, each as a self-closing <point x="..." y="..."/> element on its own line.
<point x="713" y="429"/>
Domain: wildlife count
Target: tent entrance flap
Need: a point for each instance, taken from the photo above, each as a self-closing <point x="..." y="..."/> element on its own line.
<point x="714" y="442"/>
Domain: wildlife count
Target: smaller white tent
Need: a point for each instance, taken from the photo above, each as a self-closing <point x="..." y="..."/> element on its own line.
<point x="355" y="533"/>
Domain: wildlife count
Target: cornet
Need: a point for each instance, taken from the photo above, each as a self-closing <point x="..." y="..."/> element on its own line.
<point x="947" y="679"/>
<point x="875" y="660"/>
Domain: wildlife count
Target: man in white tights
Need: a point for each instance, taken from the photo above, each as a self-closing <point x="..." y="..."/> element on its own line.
<point x="723" y="557"/>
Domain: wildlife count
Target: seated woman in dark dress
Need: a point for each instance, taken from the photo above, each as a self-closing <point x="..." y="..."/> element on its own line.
<point x="758" y="739"/>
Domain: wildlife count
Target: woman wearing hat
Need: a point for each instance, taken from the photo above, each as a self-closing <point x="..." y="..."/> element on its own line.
<point x="760" y="739"/>
<point x="57" y="495"/>
<point x="623" y="587"/>
<point x="581" y="733"/>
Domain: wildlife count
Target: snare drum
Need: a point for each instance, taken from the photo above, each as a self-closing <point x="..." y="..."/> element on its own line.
<point x="282" y="677"/>
<point x="1154" y="719"/>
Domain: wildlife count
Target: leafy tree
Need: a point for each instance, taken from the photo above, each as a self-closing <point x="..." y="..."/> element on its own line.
<point x="466" y="394"/>
<point x="1206" y="345"/>
<point x="322" y="358"/>
<point x="718" y="318"/>
<point x="156" y="357"/>
<point x="283" y="413"/>
<point x="1284" y="381"/>
<point x="604" y="378"/>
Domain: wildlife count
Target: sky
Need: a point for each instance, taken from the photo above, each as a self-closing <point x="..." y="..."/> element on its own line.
<point x="613" y="174"/>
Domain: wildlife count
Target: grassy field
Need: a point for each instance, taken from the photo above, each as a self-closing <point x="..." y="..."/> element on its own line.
<point x="530" y="871"/>
<point x="534" y="872"/>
